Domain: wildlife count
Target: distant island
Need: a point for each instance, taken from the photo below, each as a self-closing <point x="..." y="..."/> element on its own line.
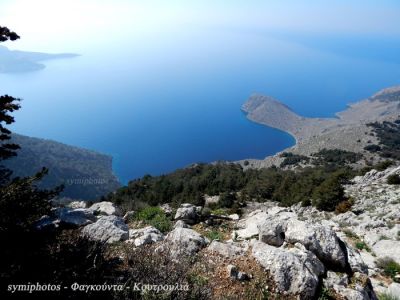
<point x="15" y="61"/>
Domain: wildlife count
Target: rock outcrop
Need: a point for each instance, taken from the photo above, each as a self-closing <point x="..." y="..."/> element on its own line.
<point x="294" y="271"/>
<point x="183" y="241"/>
<point x="66" y="217"/>
<point x="145" y="236"/>
<point x="226" y="249"/>
<point x="300" y="250"/>
<point x="105" y="208"/>
<point x="187" y="213"/>
<point x="108" y="229"/>
<point x="75" y="217"/>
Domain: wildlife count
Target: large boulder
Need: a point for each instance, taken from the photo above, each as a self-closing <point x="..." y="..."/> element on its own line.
<point x="75" y="217"/>
<point x="249" y="226"/>
<point x="387" y="248"/>
<point x="272" y="233"/>
<point x="167" y="209"/>
<point x="336" y="281"/>
<point x="355" y="261"/>
<point x="360" y="288"/>
<point x="145" y="236"/>
<point x="77" y="204"/>
<point x="226" y="249"/>
<point x="47" y="223"/>
<point x="108" y="229"/>
<point x="294" y="271"/>
<point x="394" y="289"/>
<point x="357" y="288"/>
<point x="105" y="208"/>
<point x="320" y="240"/>
<point x="183" y="241"/>
<point x="181" y="224"/>
<point x="211" y="200"/>
<point x="187" y="213"/>
<point x="66" y="217"/>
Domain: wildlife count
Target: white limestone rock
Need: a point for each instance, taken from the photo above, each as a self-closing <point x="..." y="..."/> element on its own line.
<point x="105" y="208"/>
<point x="108" y="229"/>
<point x="75" y="217"/>
<point x="145" y="236"/>
<point x="294" y="272"/>
<point x="226" y="249"/>
<point x="320" y="240"/>
<point x="387" y="248"/>
<point x="187" y="213"/>
<point x="183" y="241"/>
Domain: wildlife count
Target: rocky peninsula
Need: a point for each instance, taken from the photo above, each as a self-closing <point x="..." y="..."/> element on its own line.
<point x="347" y="131"/>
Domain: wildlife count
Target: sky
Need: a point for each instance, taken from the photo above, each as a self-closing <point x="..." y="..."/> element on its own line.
<point x="75" y="25"/>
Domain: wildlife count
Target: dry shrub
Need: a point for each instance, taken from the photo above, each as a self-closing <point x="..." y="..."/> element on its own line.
<point x="343" y="207"/>
<point x="147" y="266"/>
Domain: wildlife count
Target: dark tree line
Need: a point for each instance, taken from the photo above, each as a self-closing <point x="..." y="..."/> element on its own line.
<point x="319" y="186"/>
<point x="388" y="134"/>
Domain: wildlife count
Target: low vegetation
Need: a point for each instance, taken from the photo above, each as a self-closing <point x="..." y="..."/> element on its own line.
<point x="387" y="296"/>
<point x="293" y="159"/>
<point x="389" y="266"/>
<point x="393" y="179"/>
<point x="144" y="266"/>
<point x="319" y="186"/>
<point x="388" y="134"/>
<point x="154" y="216"/>
<point x="336" y="157"/>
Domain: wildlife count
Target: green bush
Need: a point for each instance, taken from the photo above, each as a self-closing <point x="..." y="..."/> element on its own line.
<point x="227" y="200"/>
<point x="293" y="159"/>
<point x="383" y="165"/>
<point x="393" y="179"/>
<point x="154" y="216"/>
<point x="373" y="148"/>
<point x="389" y="267"/>
<point x="362" y="246"/>
<point x="214" y="235"/>
<point x="328" y="195"/>
<point x="388" y="134"/>
<point x="337" y="157"/>
<point x="343" y="206"/>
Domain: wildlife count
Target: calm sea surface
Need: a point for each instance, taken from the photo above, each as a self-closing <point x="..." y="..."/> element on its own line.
<point x="176" y="100"/>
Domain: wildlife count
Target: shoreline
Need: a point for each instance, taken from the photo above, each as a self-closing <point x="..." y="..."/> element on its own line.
<point x="347" y="131"/>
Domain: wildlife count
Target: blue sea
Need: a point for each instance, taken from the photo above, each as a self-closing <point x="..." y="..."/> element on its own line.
<point x="175" y="100"/>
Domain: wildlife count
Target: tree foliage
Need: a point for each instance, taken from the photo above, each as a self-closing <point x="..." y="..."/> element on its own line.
<point x="6" y="34"/>
<point x="316" y="185"/>
<point x="388" y="134"/>
<point x="21" y="202"/>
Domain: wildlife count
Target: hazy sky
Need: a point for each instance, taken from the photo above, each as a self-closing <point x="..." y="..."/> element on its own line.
<point x="72" y="25"/>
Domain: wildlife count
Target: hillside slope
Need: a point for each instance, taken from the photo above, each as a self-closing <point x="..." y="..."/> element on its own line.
<point x="86" y="174"/>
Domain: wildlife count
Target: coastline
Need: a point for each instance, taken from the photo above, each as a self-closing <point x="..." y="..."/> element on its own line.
<point x="347" y="131"/>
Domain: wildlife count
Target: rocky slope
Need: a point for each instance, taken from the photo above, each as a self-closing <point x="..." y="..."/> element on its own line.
<point x="348" y="131"/>
<point x="297" y="252"/>
<point x="85" y="174"/>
